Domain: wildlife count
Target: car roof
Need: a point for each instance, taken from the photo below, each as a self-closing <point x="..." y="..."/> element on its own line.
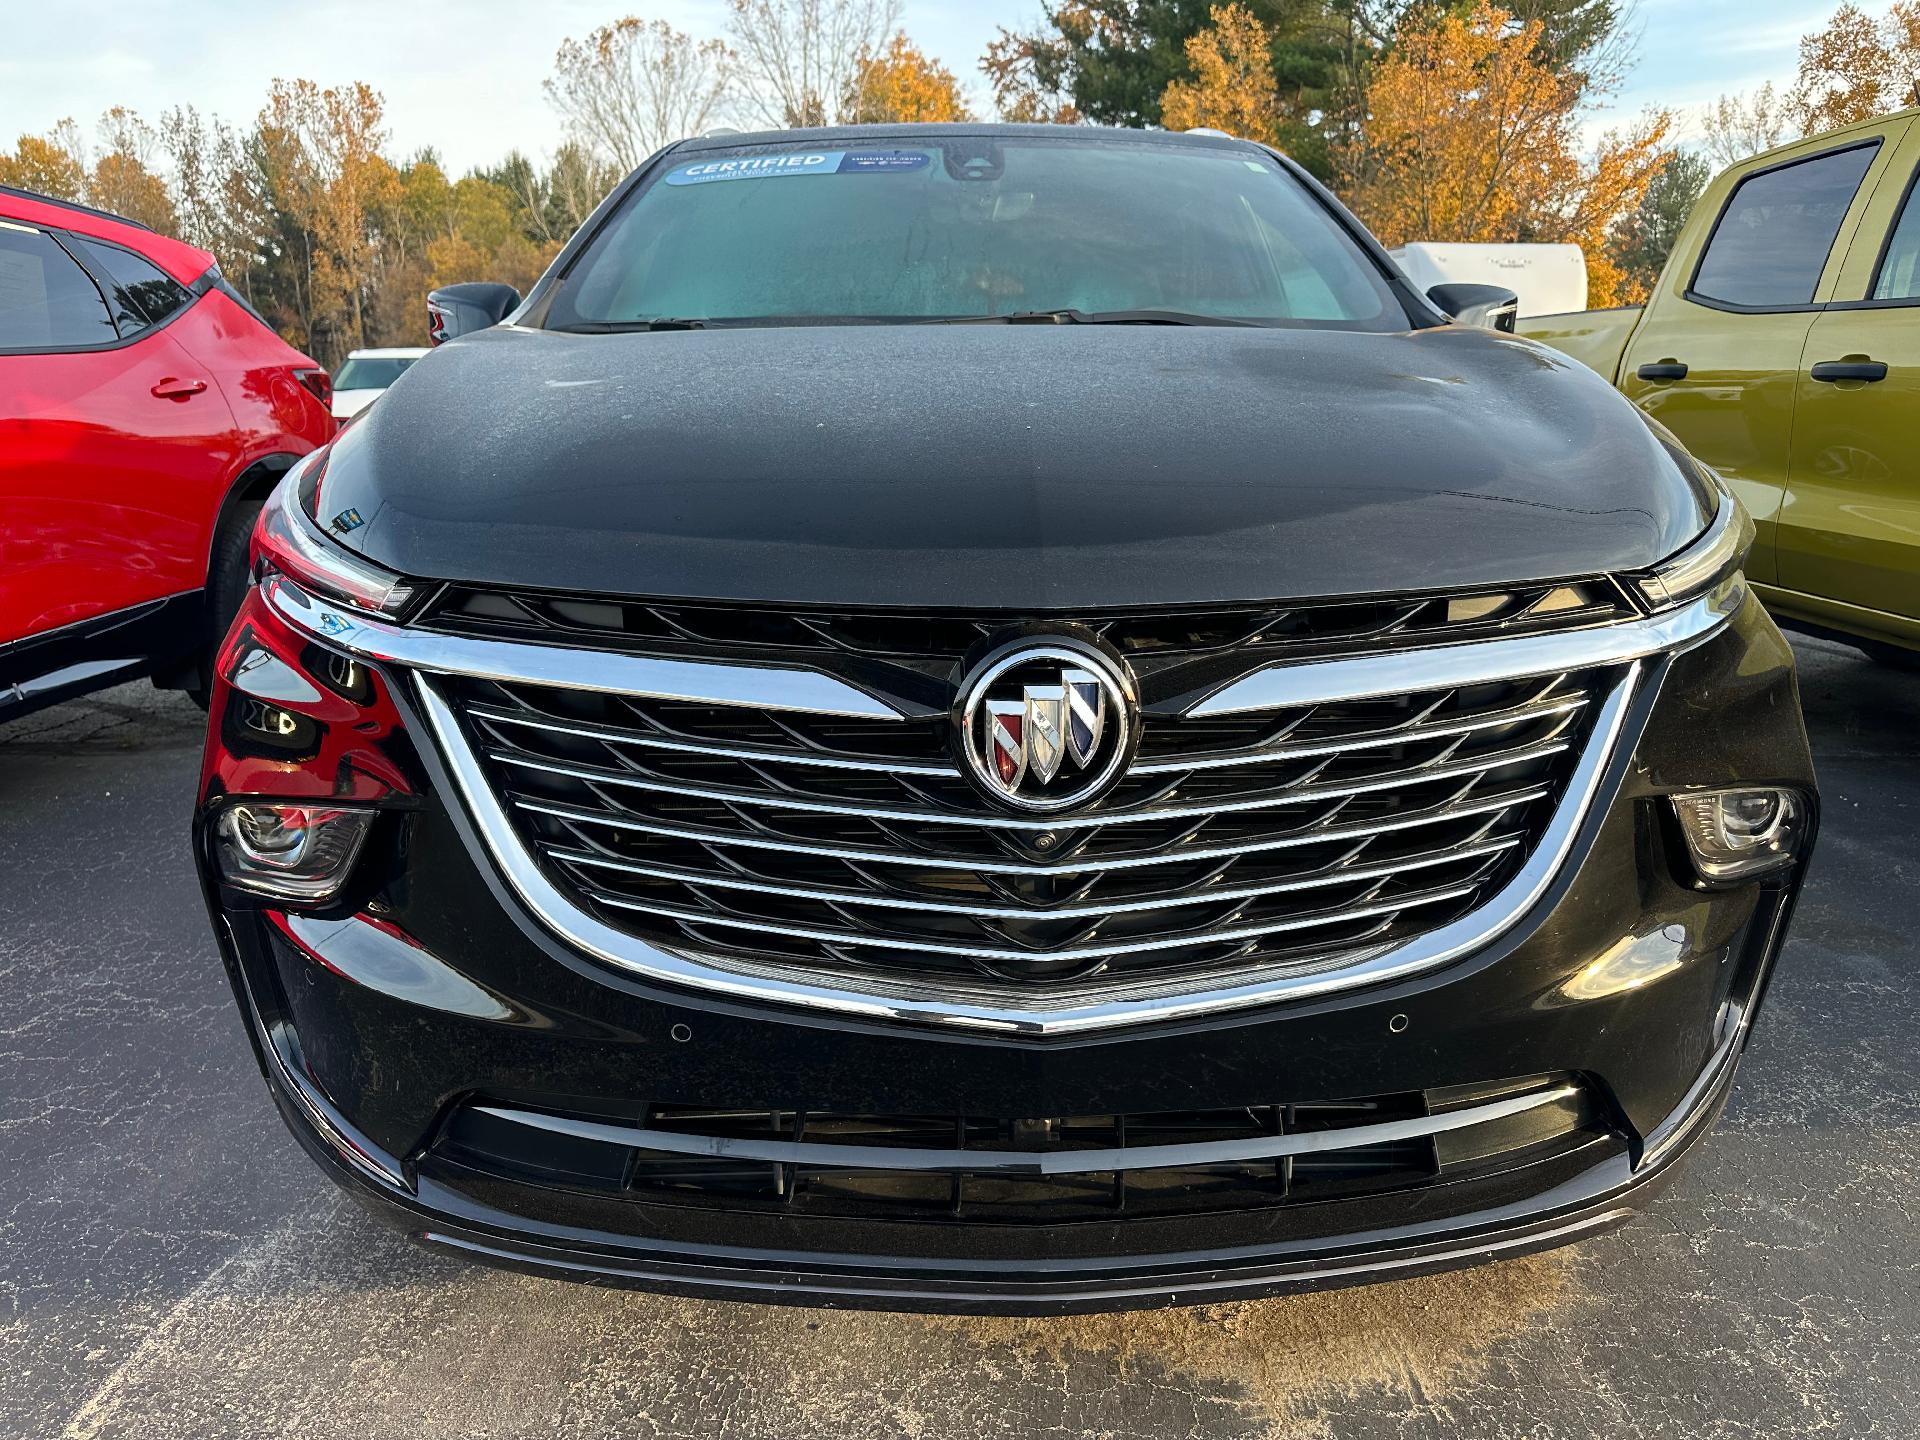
<point x="185" y="263"/>
<point x="390" y="352"/>
<point x="909" y="134"/>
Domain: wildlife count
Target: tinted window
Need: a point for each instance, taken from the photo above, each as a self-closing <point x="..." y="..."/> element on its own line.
<point x="964" y="226"/>
<point x="1773" y="238"/>
<point x="46" y="300"/>
<point x="370" y="372"/>
<point x="142" y="294"/>
<point x="1899" y="277"/>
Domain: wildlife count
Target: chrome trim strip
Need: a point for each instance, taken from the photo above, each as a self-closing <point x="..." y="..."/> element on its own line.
<point x="1277" y="800"/>
<point x="1506" y="800"/>
<point x="1073" y="1009"/>
<point x="761" y="687"/>
<point x="1278" y="686"/>
<point x="616" y="735"/>
<point x="1014" y="912"/>
<point x="1404" y="672"/>
<point x="1514" y="715"/>
<point x="1031" y="1162"/>
<point x="1050" y="957"/>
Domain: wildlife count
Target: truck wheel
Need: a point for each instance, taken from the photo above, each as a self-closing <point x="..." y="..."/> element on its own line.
<point x="226" y="588"/>
<point x="1897" y="657"/>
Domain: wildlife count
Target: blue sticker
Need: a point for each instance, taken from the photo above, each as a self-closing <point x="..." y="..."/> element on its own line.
<point x="758" y="167"/>
<point x="881" y="162"/>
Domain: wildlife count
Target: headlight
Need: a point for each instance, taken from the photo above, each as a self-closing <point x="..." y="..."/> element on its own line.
<point x="1738" y="834"/>
<point x="288" y="543"/>
<point x="296" y="852"/>
<point x="1713" y="559"/>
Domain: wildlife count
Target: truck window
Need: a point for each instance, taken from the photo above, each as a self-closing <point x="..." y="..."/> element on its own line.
<point x="1899" y="277"/>
<point x="1771" y="242"/>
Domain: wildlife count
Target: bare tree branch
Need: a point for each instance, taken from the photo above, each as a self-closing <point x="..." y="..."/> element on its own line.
<point x="802" y="59"/>
<point x="633" y="86"/>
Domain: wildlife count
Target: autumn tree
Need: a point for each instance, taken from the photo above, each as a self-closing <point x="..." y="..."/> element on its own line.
<point x="633" y="86"/>
<point x="123" y="180"/>
<point x="1030" y="75"/>
<point x="1233" y="86"/>
<point x="1113" y="60"/>
<point x="1472" y="136"/>
<point x="51" y="164"/>
<point x="801" y="60"/>
<point x="901" y="85"/>
<point x="1856" y="68"/>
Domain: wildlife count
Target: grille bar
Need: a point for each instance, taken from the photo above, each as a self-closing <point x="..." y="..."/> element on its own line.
<point x="1318" y="835"/>
<point x="780" y="800"/>
<point x="1001" y="955"/>
<point x="618" y="735"/>
<point x="1539" y="708"/>
<point x="1342" y="876"/>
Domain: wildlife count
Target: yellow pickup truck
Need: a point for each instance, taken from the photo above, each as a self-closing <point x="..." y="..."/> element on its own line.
<point x="1782" y="345"/>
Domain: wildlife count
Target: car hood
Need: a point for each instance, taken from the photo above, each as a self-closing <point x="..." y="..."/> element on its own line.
<point x="1021" y="466"/>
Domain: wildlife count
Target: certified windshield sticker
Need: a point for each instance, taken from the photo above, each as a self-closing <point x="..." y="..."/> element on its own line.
<point x="810" y="162"/>
<point x="758" y="167"/>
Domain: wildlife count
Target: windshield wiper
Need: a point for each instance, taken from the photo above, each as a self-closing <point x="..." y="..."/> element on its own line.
<point x="623" y="327"/>
<point x="1094" y="317"/>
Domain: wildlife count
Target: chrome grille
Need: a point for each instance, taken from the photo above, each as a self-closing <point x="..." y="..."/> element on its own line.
<point x="1296" y="836"/>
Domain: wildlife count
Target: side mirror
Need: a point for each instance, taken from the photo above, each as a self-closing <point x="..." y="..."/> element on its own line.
<point x="461" y="309"/>
<point x="1493" y="306"/>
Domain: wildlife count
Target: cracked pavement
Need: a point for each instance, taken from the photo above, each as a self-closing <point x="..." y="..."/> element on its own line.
<point x="172" y="1266"/>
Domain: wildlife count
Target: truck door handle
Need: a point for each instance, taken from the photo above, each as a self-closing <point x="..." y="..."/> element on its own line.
<point x="1868" y="370"/>
<point x="176" y="389"/>
<point x="1662" y="370"/>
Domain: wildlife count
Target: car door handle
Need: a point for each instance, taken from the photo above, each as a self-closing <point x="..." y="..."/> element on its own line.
<point x="176" y="389"/>
<point x="1832" y="370"/>
<point x="1662" y="370"/>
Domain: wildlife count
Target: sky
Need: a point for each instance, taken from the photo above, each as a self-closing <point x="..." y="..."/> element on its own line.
<point x="465" y="78"/>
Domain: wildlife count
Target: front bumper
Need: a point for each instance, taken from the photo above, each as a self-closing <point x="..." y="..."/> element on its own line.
<point x="1623" y="975"/>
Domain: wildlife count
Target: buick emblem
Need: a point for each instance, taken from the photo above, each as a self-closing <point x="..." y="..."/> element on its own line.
<point x="1046" y="725"/>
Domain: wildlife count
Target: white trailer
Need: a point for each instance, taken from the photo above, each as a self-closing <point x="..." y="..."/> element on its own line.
<point x="1549" y="279"/>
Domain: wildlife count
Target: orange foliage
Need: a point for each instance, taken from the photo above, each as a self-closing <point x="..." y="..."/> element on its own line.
<point x="1233" y="86"/>
<point x="1469" y="137"/>
<point x="1857" y="67"/>
<point x="900" y="85"/>
<point x="45" y="166"/>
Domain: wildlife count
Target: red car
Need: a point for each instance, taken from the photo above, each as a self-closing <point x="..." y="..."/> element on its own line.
<point x="145" y="413"/>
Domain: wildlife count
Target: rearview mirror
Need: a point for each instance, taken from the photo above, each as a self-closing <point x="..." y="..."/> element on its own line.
<point x="461" y="309"/>
<point x="1492" y="306"/>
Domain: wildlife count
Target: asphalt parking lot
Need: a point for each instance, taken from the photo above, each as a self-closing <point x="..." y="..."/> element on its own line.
<point x="172" y="1266"/>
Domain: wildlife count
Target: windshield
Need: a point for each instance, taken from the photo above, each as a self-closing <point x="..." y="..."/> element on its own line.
<point x="370" y="372"/>
<point x="974" y="227"/>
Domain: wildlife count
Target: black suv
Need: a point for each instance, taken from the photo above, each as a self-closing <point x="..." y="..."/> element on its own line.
<point x="1003" y="719"/>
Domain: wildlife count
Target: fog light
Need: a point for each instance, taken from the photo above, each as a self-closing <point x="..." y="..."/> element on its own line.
<point x="296" y="852"/>
<point x="1737" y="834"/>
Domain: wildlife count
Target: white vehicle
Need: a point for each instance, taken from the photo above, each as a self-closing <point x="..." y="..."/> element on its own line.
<point x="1549" y="279"/>
<point x="366" y="374"/>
